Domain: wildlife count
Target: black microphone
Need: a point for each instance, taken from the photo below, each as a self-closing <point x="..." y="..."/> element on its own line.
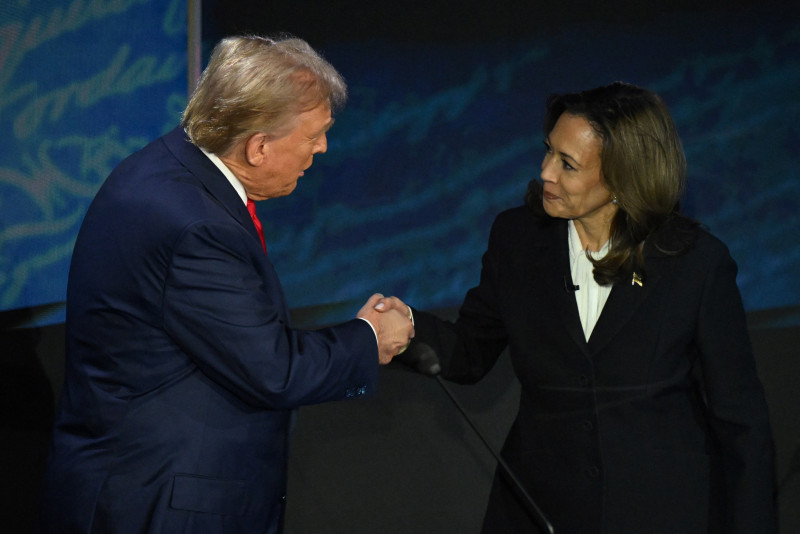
<point x="569" y="287"/>
<point x="420" y="357"/>
<point x="425" y="361"/>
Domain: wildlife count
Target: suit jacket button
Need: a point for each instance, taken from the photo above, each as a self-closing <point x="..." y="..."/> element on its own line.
<point x="593" y="472"/>
<point x="583" y="380"/>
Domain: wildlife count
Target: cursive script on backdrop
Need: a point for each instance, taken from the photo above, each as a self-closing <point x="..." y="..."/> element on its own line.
<point x="61" y="146"/>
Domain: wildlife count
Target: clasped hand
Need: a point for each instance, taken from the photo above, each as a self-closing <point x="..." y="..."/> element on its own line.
<point x="391" y="319"/>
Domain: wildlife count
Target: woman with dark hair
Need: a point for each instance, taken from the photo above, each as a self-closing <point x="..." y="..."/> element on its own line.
<point x="643" y="169"/>
<point x="640" y="408"/>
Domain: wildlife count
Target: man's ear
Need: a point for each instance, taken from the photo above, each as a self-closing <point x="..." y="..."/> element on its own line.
<point x="256" y="149"/>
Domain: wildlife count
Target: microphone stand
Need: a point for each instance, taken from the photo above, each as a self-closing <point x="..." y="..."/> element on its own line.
<point x="531" y="504"/>
<point x="426" y="362"/>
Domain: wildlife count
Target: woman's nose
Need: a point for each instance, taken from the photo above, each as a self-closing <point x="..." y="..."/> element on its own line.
<point x="547" y="175"/>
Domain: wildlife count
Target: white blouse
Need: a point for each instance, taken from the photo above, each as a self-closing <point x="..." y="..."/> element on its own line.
<point x="590" y="296"/>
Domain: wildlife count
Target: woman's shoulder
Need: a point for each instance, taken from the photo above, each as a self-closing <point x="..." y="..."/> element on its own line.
<point x="677" y="235"/>
<point x="523" y="218"/>
<point x="708" y="244"/>
<point x="694" y="242"/>
<point x="520" y="228"/>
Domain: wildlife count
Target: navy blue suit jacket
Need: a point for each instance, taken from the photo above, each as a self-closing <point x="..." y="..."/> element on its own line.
<point x="183" y="370"/>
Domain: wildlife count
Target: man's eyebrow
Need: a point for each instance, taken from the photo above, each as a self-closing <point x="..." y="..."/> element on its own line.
<point x="327" y="126"/>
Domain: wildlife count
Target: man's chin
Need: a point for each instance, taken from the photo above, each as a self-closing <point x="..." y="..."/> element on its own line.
<point x="289" y="189"/>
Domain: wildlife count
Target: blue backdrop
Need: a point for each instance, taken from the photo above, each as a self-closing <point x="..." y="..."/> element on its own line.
<point x="441" y="132"/>
<point x="82" y="84"/>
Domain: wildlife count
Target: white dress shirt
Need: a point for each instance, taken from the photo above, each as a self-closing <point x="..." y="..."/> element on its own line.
<point x="590" y="296"/>
<point x="228" y="174"/>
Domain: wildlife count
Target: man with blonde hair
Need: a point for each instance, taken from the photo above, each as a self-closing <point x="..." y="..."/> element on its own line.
<point x="183" y="371"/>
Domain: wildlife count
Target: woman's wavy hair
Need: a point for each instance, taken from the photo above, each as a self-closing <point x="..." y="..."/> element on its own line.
<point x="643" y="166"/>
<point x="257" y="84"/>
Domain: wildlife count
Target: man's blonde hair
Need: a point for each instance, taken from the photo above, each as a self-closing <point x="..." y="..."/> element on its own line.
<point x="256" y="84"/>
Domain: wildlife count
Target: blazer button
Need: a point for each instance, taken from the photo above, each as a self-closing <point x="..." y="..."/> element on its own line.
<point x="587" y="425"/>
<point x="593" y="472"/>
<point x="583" y="380"/>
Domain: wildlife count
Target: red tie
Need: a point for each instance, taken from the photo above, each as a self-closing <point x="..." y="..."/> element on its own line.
<point x="251" y="207"/>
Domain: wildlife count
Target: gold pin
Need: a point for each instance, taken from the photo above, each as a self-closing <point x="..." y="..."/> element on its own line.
<point x="637" y="280"/>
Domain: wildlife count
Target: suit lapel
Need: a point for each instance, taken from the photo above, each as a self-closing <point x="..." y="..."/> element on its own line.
<point x="210" y="176"/>
<point x="556" y="261"/>
<point x="623" y="303"/>
<point x="223" y="192"/>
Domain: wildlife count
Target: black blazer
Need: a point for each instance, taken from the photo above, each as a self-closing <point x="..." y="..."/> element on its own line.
<point x="182" y="368"/>
<point x="657" y="424"/>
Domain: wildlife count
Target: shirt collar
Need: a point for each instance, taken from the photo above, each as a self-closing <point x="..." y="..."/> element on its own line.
<point x="237" y="185"/>
<point x="575" y="247"/>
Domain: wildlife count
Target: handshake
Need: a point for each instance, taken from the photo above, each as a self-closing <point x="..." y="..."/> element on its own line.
<point x="393" y="323"/>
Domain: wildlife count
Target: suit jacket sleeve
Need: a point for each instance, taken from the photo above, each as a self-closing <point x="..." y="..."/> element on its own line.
<point x="469" y="347"/>
<point x="224" y="307"/>
<point x="736" y="404"/>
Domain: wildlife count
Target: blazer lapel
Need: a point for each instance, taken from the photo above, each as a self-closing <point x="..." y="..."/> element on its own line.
<point x="623" y="303"/>
<point x="210" y="176"/>
<point x="223" y="192"/>
<point x="556" y="261"/>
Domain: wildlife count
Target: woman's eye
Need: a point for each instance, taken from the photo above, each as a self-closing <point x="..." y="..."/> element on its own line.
<point x="567" y="166"/>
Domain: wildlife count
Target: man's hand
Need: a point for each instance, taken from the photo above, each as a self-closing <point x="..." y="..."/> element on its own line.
<point x="393" y="303"/>
<point x="392" y="324"/>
